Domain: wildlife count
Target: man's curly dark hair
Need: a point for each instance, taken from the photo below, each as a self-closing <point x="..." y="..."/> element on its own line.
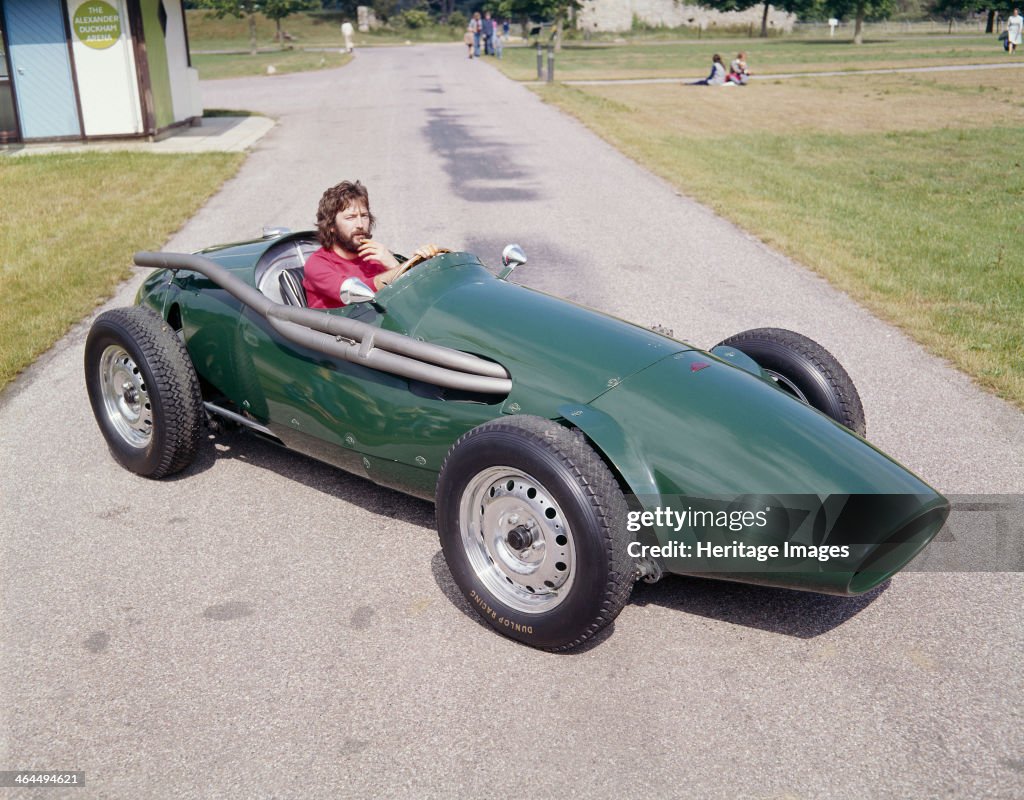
<point x="335" y="200"/>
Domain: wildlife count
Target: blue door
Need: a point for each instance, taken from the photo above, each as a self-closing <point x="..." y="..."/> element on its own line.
<point x="41" y="68"/>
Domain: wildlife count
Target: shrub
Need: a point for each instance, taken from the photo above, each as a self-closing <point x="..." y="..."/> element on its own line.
<point x="416" y="18"/>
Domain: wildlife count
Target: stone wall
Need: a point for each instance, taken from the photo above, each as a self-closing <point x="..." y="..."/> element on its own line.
<point x="366" y="19"/>
<point x="617" y="15"/>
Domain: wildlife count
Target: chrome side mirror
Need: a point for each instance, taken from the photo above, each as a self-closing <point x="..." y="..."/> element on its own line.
<point x="511" y="257"/>
<point x="354" y="290"/>
<point x="273" y="231"/>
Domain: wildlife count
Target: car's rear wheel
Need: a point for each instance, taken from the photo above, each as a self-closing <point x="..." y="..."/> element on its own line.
<point x="805" y="369"/>
<point x="533" y="527"/>
<point x="144" y="391"/>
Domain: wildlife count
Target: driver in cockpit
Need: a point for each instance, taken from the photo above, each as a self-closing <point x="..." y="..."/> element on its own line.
<point x="344" y="225"/>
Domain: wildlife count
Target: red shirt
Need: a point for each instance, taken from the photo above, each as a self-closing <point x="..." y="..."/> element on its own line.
<point x="324" y="272"/>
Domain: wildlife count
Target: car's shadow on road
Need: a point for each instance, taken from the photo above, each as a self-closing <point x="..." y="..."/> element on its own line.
<point x="790" y="613"/>
<point x="234" y="444"/>
<point x="784" y="611"/>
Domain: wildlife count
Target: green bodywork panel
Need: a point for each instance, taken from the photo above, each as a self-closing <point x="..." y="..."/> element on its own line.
<point x="156" y="60"/>
<point x="552" y="349"/>
<point x="686" y="437"/>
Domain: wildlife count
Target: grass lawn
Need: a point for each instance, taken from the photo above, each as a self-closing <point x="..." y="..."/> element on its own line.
<point x="63" y="250"/>
<point x="321" y="34"/>
<point x="237" y="65"/>
<point x="692" y="59"/>
<point x="308" y="30"/>
<point x="905" y="191"/>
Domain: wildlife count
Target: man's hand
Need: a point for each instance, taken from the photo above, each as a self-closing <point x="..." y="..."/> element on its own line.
<point x="420" y="254"/>
<point x="427" y="251"/>
<point x="369" y="250"/>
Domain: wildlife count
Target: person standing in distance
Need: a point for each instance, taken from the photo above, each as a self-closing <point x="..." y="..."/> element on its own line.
<point x="487" y="33"/>
<point x="347" y="32"/>
<point x="1014" y="27"/>
<point x="476" y="26"/>
<point x="344" y="224"/>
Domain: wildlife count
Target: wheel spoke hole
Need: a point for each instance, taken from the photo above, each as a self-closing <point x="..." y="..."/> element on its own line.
<point x="549" y="584"/>
<point x="531" y="493"/>
<point x="560" y="566"/>
<point x="550" y="512"/>
<point x="561" y="540"/>
<point x="510" y="485"/>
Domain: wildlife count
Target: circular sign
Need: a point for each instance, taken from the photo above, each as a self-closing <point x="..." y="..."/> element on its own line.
<point x="97" y="24"/>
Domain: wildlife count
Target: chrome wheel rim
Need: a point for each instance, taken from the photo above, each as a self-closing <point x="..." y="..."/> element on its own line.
<point x="126" y="398"/>
<point x="517" y="540"/>
<point x="787" y="385"/>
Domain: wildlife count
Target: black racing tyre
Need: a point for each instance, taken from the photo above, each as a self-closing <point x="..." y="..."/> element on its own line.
<point x="533" y="527"/>
<point x="806" y="370"/>
<point x="144" y="391"/>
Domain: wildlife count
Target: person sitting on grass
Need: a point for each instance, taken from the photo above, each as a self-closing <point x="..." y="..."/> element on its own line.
<point x="717" y="76"/>
<point x="738" y="71"/>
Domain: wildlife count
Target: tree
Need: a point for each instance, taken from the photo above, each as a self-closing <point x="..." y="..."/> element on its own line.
<point x="236" y="8"/>
<point x="954" y="9"/>
<point x="540" y="10"/>
<point x="860" y="10"/>
<point x="444" y="9"/>
<point x="384" y="9"/>
<point x="272" y="9"/>
<point x="798" y="7"/>
<point x="277" y="10"/>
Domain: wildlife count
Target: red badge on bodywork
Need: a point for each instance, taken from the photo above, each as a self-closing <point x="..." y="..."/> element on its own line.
<point x="697" y="366"/>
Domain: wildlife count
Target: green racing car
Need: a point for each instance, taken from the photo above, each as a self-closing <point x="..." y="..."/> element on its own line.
<point x="569" y="453"/>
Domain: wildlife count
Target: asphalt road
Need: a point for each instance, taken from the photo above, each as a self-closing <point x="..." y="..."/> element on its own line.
<point x="265" y="626"/>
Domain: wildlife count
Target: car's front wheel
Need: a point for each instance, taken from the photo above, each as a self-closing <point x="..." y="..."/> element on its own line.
<point x="803" y="368"/>
<point x="533" y="527"/>
<point x="144" y="391"/>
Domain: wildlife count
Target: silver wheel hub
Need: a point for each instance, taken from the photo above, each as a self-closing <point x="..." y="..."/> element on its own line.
<point x="517" y="540"/>
<point x="125" y="397"/>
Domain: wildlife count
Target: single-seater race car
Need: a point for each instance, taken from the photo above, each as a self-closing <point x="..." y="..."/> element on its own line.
<point x="569" y="453"/>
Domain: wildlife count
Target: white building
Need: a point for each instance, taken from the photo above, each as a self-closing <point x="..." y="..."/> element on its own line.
<point x="618" y="15"/>
<point x="86" y="69"/>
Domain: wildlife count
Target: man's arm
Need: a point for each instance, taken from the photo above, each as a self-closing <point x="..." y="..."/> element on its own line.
<point x="382" y="280"/>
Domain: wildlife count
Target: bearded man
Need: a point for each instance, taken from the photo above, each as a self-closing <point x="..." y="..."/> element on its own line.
<point x="344" y="225"/>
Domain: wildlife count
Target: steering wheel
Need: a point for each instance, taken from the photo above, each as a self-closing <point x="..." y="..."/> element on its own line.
<point x="414" y="260"/>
